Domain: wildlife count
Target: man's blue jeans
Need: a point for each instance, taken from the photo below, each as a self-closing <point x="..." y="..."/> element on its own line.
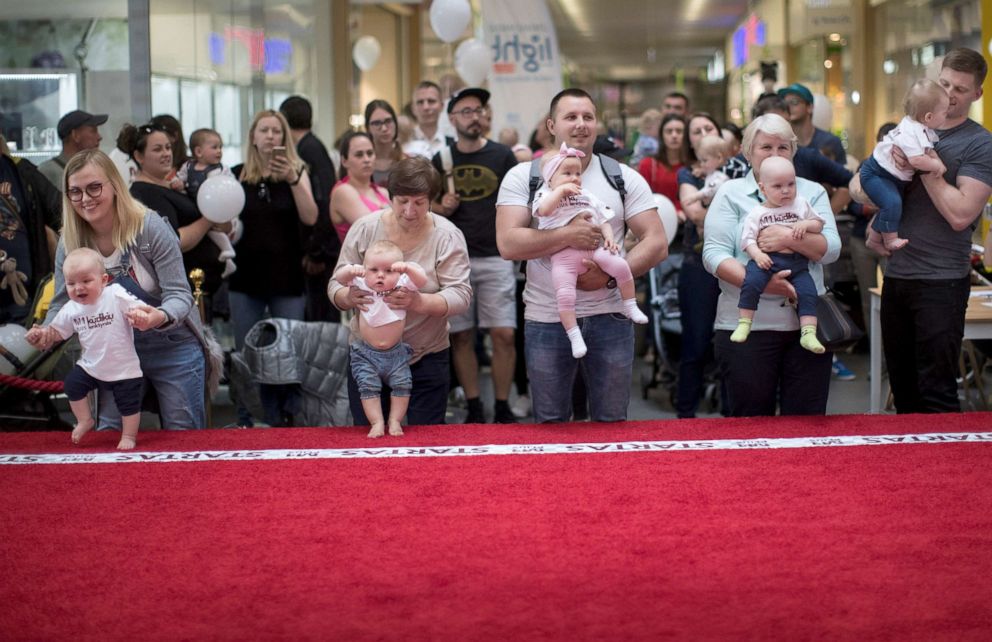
<point x="606" y="367"/>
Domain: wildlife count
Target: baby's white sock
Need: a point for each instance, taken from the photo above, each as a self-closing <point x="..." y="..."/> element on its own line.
<point x="633" y="312"/>
<point x="229" y="269"/>
<point x="578" y="345"/>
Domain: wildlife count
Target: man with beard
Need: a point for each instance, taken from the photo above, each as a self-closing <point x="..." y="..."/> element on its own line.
<point x="473" y="169"/>
<point x="609" y="335"/>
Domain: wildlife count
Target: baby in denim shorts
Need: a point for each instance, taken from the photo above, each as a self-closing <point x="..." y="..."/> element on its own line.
<point x="379" y="354"/>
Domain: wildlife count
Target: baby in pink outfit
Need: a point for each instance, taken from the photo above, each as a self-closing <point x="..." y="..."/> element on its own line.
<point x="555" y="206"/>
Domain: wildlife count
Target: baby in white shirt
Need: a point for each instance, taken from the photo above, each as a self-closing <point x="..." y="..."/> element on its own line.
<point x="379" y="355"/>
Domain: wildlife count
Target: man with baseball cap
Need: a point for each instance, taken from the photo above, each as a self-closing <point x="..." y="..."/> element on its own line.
<point x="78" y="131"/>
<point x="473" y="168"/>
<point x="800" y="101"/>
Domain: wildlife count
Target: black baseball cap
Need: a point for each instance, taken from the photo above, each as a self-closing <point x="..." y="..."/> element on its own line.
<point x="478" y="92"/>
<point x="79" y="118"/>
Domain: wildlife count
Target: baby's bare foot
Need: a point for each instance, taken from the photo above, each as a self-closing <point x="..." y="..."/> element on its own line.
<point x="395" y="428"/>
<point x="378" y="430"/>
<point x="877" y="247"/>
<point x="81" y="429"/>
<point x="127" y="443"/>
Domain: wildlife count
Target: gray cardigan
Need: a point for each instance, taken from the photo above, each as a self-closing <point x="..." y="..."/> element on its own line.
<point x="157" y="250"/>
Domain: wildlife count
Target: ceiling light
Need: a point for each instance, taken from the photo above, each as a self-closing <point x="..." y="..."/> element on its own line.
<point x="829" y="64"/>
<point x="890" y="67"/>
<point x="835" y="37"/>
<point x="856" y="97"/>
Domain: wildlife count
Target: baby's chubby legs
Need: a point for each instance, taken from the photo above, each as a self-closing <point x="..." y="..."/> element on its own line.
<point x="84" y="418"/>
<point x="566" y="266"/>
<point x="129" y="431"/>
<point x="617" y="267"/>
<point x="885" y="191"/>
<point x="397" y="410"/>
<point x="373" y="411"/>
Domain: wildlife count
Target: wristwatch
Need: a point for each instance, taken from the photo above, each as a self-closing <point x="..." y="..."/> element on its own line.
<point x="612" y="283"/>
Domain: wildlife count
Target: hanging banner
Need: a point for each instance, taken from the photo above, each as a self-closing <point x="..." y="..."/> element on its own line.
<point x="526" y="64"/>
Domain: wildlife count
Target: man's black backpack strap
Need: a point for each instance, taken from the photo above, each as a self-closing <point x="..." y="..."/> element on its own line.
<point x="614" y="175"/>
<point x="535" y="181"/>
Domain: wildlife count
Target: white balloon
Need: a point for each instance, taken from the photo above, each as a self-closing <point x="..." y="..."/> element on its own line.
<point x="472" y="61"/>
<point x="13" y="342"/>
<point x="823" y="112"/>
<point x="449" y="18"/>
<point x="669" y="217"/>
<point x="366" y="52"/>
<point x="220" y="198"/>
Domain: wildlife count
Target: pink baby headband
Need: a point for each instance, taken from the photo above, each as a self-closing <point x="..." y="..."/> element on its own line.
<point x="552" y="165"/>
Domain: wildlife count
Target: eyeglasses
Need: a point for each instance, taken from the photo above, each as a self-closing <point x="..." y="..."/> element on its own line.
<point x="468" y="113"/>
<point x="794" y="100"/>
<point x="385" y="122"/>
<point x="93" y="190"/>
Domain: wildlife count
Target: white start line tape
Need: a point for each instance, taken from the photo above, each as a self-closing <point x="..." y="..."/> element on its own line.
<point x="138" y="457"/>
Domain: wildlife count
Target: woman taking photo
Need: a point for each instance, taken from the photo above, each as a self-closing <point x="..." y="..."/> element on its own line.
<point x="151" y="149"/>
<point x="661" y="170"/>
<point x="380" y="122"/>
<point x="355" y="195"/>
<point x="770" y="369"/>
<point x="141" y="253"/>
<point x="279" y="212"/>
<point x="435" y="244"/>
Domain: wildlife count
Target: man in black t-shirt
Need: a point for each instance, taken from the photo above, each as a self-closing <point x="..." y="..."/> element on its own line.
<point x="473" y="169"/>
<point x="323" y="246"/>
<point x="927" y="283"/>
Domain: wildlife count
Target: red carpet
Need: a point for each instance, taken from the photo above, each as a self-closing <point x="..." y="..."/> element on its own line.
<point x="860" y="543"/>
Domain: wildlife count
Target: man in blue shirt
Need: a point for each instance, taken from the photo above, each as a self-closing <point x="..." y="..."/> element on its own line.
<point x="800" y="101"/>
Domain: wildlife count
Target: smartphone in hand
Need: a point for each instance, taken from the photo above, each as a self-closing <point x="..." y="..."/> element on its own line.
<point x="279" y="151"/>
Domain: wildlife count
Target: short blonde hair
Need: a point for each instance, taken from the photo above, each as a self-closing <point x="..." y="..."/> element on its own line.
<point x="712" y="146"/>
<point x="252" y="171"/>
<point x="83" y="255"/>
<point x="771" y="125"/>
<point x="129" y="213"/>
<point x="383" y="246"/>
<point x="650" y="121"/>
<point x="923" y="98"/>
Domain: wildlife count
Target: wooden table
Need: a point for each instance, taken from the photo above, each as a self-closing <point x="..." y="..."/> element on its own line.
<point x="977" y="325"/>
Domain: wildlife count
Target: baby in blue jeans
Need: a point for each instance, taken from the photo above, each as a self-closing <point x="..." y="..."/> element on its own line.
<point x="782" y="206"/>
<point x="379" y="354"/>
<point x="883" y="180"/>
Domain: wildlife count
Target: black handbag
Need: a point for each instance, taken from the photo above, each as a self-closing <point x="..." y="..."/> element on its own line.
<point x="835" y="328"/>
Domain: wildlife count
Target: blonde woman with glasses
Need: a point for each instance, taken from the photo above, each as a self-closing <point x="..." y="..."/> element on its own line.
<point x="140" y="251"/>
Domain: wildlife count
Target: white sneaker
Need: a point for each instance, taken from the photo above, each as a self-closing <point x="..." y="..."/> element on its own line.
<point x="521" y="407"/>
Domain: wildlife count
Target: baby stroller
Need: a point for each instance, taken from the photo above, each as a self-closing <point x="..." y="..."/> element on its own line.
<point x="666" y="331"/>
<point x="665" y="326"/>
<point x="27" y="403"/>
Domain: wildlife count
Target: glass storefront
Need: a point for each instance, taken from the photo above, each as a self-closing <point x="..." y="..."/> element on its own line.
<point x="214" y="63"/>
<point x="57" y="57"/>
<point x="909" y="38"/>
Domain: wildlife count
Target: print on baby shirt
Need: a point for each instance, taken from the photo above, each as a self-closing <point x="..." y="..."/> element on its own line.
<point x="570" y="207"/>
<point x="106" y="336"/>
<point x="379" y="313"/>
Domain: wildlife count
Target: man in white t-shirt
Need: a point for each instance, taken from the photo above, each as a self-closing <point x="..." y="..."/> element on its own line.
<point x="427" y="136"/>
<point x="609" y="335"/>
